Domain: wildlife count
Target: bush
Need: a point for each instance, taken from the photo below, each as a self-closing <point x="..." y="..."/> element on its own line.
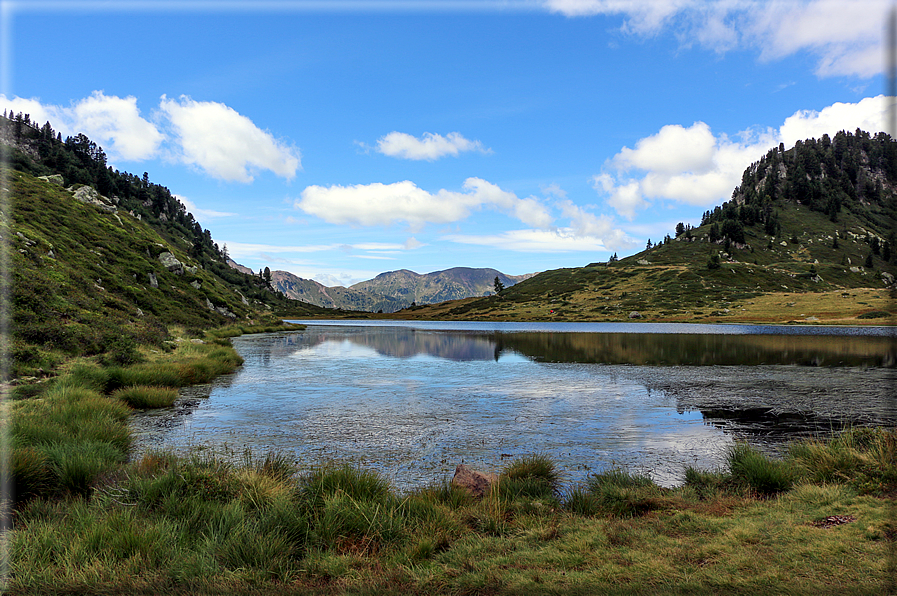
<point x="122" y="351"/>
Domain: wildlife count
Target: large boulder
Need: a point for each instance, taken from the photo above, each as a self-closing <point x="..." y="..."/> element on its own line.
<point x="474" y="482"/>
<point x="53" y="179"/>
<point x="170" y="262"/>
<point x="90" y="196"/>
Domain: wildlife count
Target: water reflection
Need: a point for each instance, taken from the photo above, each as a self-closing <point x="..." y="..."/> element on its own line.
<point x="414" y="402"/>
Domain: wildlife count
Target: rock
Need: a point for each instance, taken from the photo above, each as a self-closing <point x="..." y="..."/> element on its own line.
<point x="196" y="284"/>
<point x="139" y="312"/>
<point x="644" y="261"/>
<point x="476" y="483"/>
<point x="635" y="315"/>
<point x="152" y="280"/>
<point x="856" y="269"/>
<point x="811" y="319"/>
<point x="170" y="262"/>
<point x="221" y="310"/>
<point x="783" y="243"/>
<point x="191" y="270"/>
<point x="887" y="278"/>
<point x="53" y="179"/>
<point x="90" y="196"/>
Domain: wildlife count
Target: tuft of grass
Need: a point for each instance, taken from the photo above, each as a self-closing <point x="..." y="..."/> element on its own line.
<point x="331" y="480"/>
<point x="143" y="397"/>
<point x="758" y="472"/>
<point x="622" y="494"/>
<point x="30" y="473"/>
<point x="532" y="476"/>
<point x="707" y="485"/>
<point x="865" y="458"/>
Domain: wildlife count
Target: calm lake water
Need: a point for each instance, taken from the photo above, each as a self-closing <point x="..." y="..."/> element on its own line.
<point x="414" y="399"/>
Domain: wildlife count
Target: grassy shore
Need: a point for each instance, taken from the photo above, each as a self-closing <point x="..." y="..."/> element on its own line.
<point x="818" y="522"/>
<point x="67" y="433"/>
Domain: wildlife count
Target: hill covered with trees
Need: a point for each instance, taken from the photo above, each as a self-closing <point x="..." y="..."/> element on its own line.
<point x="807" y="236"/>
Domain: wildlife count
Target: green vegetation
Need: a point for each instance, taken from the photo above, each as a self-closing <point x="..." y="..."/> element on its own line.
<point x="205" y="525"/>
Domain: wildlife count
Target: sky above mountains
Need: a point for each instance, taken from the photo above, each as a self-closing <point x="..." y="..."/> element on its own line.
<point x="340" y="139"/>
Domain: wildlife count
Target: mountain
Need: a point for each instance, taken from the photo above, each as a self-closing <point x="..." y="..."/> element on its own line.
<point x="808" y="236"/>
<point x="312" y="292"/>
<point x="439" y="286"/>
<point x="391" y="291"/>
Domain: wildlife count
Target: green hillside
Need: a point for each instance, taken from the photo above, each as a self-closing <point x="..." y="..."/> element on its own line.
<point x="95" y="275"/>
<point x="807" y="236"/>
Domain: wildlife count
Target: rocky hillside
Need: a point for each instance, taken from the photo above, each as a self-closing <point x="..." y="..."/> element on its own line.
<point x="808" y="236"/>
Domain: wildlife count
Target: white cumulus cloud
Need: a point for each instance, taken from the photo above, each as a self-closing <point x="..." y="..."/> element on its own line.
<point x="845" y="36"/>
<point x="429" y="147"/>
<point x="385" y="204"/>
<point x="691" y="165"/>
<point x="224" y="143"/>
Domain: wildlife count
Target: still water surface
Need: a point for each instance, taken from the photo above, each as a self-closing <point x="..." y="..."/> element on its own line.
<point x="413" y="400"/>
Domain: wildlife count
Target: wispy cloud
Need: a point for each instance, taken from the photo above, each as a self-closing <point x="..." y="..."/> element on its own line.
<point x="429" y="147"/>
<point x="546" y="241"/>
<point x="199" y="212"/>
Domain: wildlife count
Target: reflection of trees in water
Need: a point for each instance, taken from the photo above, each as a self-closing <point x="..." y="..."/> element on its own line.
<point x="703" y="349"/>
<point x="405" y="343"/>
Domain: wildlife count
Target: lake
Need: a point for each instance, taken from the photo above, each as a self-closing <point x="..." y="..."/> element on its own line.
<point x="414" y="399"/>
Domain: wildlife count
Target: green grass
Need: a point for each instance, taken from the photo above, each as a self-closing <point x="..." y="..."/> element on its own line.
<point x="204" y="524"/>
<point x="141" y="396"/>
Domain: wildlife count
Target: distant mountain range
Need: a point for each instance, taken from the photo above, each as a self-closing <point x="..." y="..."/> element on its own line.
<point x="393" y="290"/>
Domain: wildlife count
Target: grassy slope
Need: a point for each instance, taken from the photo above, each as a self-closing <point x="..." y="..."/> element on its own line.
<point x="764" y="282"/>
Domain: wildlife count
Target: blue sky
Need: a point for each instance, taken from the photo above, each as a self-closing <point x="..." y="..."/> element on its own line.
<point x="338" y="140"/>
